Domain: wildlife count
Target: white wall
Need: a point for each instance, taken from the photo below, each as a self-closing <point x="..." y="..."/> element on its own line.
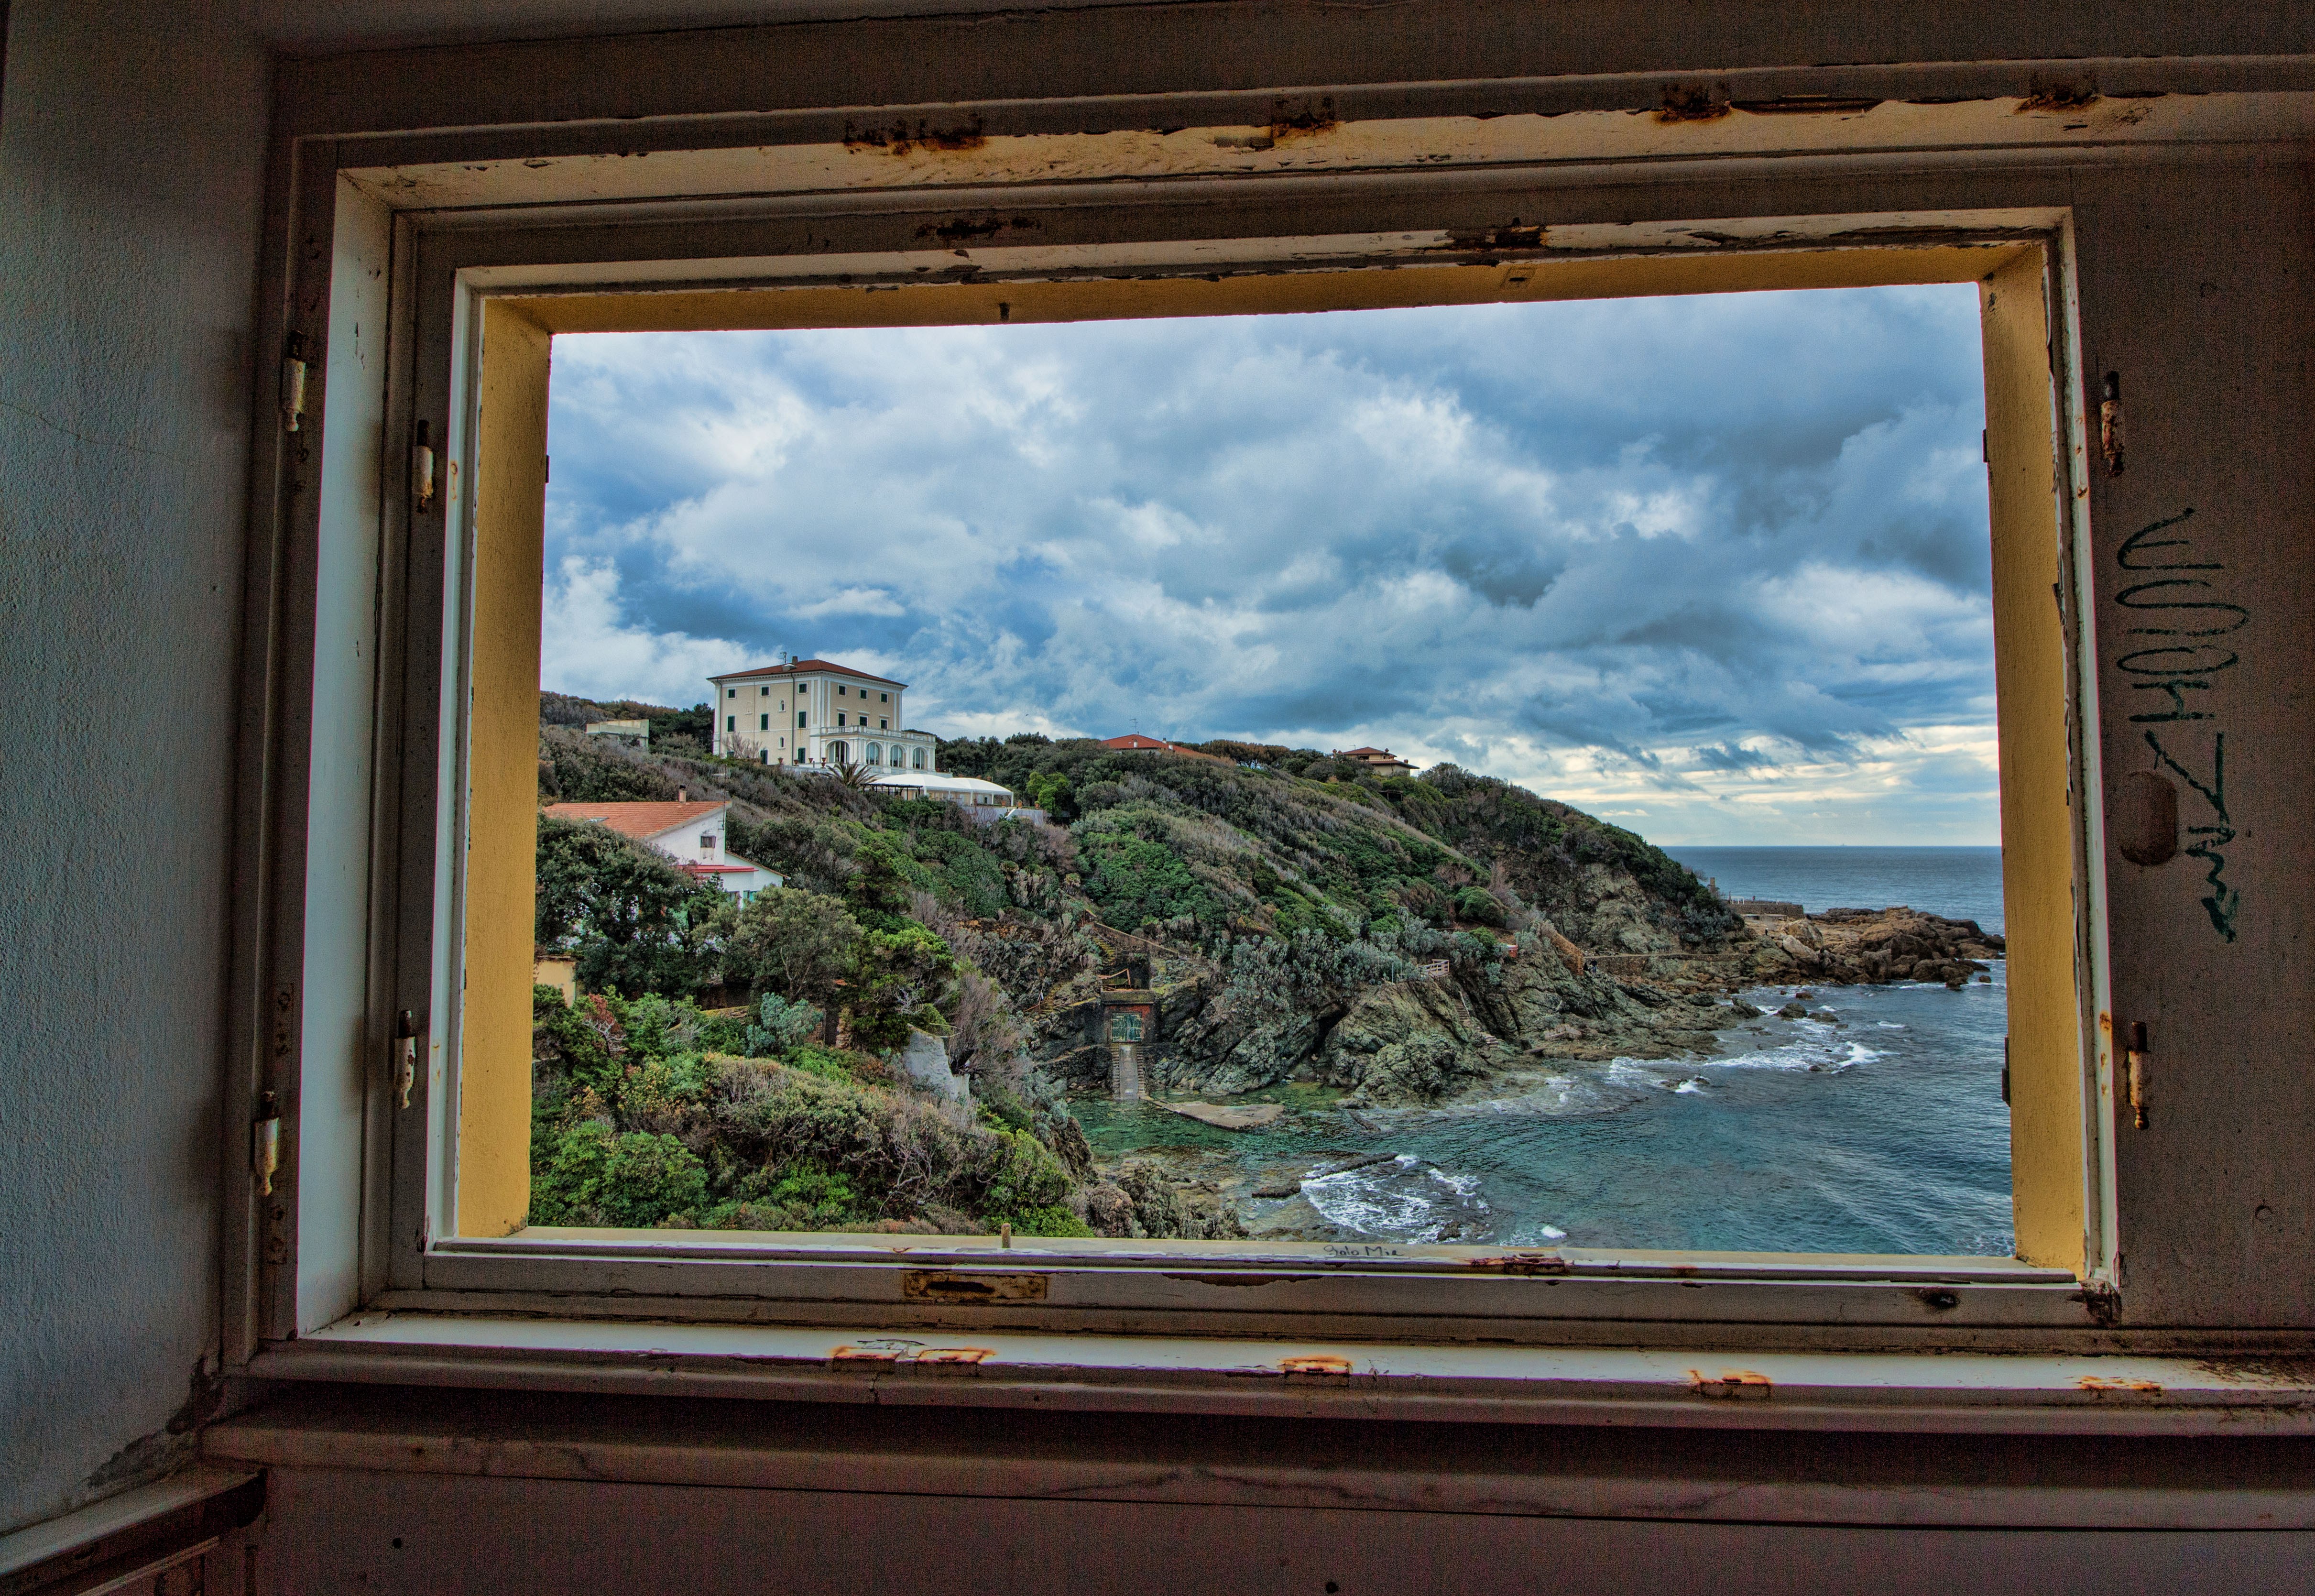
<point x="131" y="151"/>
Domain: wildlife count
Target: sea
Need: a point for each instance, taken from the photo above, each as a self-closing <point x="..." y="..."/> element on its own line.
<point x="1876" y="1127"/>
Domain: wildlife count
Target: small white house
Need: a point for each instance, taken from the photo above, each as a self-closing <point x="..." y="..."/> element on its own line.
<point x="690" y="834"/>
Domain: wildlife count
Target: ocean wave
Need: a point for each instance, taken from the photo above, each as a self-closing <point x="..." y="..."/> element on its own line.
<point x="1405" y="1200"/>
<point x="1819" y="1048"/>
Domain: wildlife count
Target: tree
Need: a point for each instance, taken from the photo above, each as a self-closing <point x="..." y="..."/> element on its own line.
<point x="795" y="944"/>
<point x="634" y="922"/>
<point x="894" y="975"/>
<point x="879" y="891"/>
<point x="1051" y="792"/>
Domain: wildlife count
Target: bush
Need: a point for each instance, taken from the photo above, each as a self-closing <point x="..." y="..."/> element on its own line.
<point x="1476" y="905"/>
<point x="1135" y="878"/>
<point x="1054" y="1220"/>
<point x="781" y="1024"/>
<point x="593" y="1175"/>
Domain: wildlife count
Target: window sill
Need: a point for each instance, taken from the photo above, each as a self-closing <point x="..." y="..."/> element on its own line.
<point x="2009" y="1393"/>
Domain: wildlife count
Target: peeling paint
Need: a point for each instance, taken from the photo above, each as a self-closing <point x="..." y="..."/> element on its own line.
<point x="1520" y="1264"/>
<point x="1732" y="1385"/>
<point x="941" y="1285"/>
<point x="1302" y="118"/>
<point x="1693" y="102"/>
<point x="901" y="139"/>
<point x="2059" y="97"/>
<point x="1315" y="1363"/>
<point x="2100" y="1382"/>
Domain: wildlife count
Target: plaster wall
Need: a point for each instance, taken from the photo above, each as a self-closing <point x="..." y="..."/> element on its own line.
<point x="132" y="160"/>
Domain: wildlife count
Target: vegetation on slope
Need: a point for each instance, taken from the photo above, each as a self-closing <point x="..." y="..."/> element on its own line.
<point x="1291" y="903"/>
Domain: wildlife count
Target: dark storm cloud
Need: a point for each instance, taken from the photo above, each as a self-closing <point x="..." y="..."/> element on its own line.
<point x="1731" y="549"/>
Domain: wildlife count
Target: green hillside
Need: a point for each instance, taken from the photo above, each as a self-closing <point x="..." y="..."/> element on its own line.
<point x="1401" y="938"/>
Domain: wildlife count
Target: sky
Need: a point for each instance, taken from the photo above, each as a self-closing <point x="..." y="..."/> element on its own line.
<point x="1715" y="568"/>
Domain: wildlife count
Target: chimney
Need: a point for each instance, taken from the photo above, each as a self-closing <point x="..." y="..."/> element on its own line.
<point x="683" y="794"/>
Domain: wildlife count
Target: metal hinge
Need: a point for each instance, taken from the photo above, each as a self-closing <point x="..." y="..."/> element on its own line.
<point x="2134" y="1063"/>
<point x="265" y="1143"/>
<point x="293" y="383"/>
<point x="406" y="1068"/>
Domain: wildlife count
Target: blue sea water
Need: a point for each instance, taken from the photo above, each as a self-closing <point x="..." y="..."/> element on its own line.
<point x="1881" y="1130"/>
<point x="1962" y="884"/>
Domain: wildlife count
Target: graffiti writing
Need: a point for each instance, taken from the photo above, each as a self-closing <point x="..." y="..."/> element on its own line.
<point x="2190" y="611"/>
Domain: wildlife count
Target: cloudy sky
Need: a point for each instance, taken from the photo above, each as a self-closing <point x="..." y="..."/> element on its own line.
<point x="1715" y="568"/>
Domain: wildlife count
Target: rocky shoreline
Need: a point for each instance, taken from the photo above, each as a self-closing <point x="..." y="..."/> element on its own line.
<point x="1505" y="1010"/>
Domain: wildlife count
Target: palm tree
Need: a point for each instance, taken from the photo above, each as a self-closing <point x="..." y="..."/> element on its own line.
<point x="852" y="774"/>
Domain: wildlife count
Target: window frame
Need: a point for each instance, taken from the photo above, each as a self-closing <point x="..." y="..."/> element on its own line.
<point x="1756" y="1300"/>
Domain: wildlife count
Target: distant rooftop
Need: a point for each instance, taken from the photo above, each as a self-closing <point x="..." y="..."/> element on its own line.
<point x="642" y="821"/>
<point x="805" y="667"/>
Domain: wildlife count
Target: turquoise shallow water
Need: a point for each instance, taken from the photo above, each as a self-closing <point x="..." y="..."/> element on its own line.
<point x="1885" y="1132"/>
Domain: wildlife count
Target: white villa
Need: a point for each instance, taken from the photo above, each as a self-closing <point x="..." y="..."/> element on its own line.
<point x="690" y="834"/>
<point x="810" y="713"/>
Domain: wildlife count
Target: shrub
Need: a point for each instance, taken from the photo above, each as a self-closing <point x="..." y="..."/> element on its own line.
<point x="1051" y="1221"/>
<point x="1476" y="906"/>
<point x="594" y="1175"/>
<point x="780" y="1024"/>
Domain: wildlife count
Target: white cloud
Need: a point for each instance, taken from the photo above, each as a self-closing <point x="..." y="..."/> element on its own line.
<point x="1718" y="562"/>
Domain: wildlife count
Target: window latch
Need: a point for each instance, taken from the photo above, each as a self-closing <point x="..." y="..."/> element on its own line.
<point x="405" y="1030"/>
<point x="265" y="1144"/>
<point x="2134" y="1060"/>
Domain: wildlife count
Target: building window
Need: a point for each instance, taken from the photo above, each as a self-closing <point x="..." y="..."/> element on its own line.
<point x="731" y="723"/>
<point x="841" y="691"/>
<point x="840" y="717"/>
<point x="875" y="753"/>
<point x="884" y="697"/>
<point x="882" y="724"/>
<point x="707" y="842"/>
<point x="763" y="722"/>
<point x="1124" y="1027"/>
<point x="799" y="715"/>
<point x="730" y="691"/>
<point x="838" y="753"/>
<point x="918" y="759"/>
<point x="765" y="691"/>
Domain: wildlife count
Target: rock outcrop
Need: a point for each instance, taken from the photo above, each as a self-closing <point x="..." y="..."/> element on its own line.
<point x="1868" y="946"/>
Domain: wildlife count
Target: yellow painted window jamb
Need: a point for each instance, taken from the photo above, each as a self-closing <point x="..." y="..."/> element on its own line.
<point x="502" y="763"/>
<point x="2048" y="1170"/>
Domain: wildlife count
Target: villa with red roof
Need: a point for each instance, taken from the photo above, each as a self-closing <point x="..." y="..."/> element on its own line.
<point x="1133" y="742"/>
<point x="816" y="714"/>
<point x="1381" y="761"/>
<point x="690" y="834"/>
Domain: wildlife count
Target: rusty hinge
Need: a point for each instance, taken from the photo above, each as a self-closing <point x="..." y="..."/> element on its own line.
<point x="2134" y="1063"/>
<point x="265" y="1143"/>
<point x="406" y="1068"/>
<point x="293" y="383"/>
<point x="422" y="469"/>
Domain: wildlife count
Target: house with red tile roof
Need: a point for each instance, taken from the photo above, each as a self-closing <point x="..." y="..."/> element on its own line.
<point x="690" y="834"/>
<point x="1381" y="761"/>
<point x="1133" y="742"/>
<point x="817" y="714"/>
